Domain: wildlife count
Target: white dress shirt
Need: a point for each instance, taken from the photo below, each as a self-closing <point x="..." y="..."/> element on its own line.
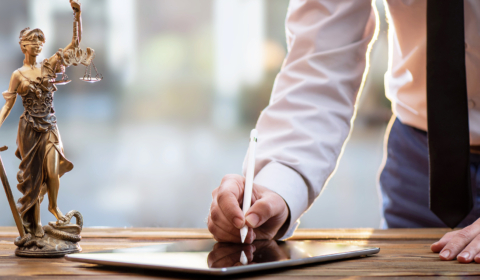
<point x="303" y="130"/>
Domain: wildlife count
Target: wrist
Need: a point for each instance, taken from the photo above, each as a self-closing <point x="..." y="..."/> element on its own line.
<point x="283" y="229"/>
<point x="291" y="187"/>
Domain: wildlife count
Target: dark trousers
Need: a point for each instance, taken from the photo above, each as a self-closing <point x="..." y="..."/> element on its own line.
<point x="404" y="181"/>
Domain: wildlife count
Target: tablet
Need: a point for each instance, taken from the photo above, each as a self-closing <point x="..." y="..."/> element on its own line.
<point x="210" y="257"/>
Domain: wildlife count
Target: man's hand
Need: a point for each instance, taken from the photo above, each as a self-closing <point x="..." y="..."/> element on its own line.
<point x="266" y="216"/>
<point x="461" y="244"/>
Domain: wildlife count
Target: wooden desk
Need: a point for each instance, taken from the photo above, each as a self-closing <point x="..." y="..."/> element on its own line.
<point x="404" y="252"/>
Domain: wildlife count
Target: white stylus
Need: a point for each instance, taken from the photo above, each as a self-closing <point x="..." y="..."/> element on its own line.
<point x="247" y="194"/>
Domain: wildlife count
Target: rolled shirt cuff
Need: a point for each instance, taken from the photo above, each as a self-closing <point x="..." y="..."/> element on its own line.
<point x="290" y="186"/>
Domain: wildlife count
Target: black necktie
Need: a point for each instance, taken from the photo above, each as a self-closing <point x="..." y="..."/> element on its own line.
<point x="447" y="110"/>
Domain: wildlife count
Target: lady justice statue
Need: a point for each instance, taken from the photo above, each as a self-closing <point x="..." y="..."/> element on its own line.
<point x="40" y="147"/>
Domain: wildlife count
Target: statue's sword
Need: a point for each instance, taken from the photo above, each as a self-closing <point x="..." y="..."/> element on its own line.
<point x="11" y="201"/>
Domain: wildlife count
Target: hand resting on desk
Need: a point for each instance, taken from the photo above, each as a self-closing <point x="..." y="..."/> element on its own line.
<point x="267" y="215"/>
<point x="461" y="244"/>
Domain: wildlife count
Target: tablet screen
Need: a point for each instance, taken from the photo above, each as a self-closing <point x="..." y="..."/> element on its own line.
<point x="208" y="256"/>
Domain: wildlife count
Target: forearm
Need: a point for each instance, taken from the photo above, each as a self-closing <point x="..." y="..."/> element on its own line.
<point x="76" y="39"/>
<point x="77" y="31"/>
<point x="78" y="19"/>
<point x="303" y="130"/>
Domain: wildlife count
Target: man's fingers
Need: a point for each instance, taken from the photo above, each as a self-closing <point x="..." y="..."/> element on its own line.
<point x="459" y="241"/>
<point x="221" y="235"/>
<point x="265" y="208"/>
<point x="229" y="206"/>
<point x="259" y="213"/>
<point x="228" y="197"/>
<point x="438" y="246"/>
<point x="220" y="220"/>
<point x="467" y="255"/>
<point x="266" y="215"/>
<point x="232" y="235"/>
<point x="251" y="236"/>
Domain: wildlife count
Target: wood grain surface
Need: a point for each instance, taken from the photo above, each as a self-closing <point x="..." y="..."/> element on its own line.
<point x="405" y="253"/>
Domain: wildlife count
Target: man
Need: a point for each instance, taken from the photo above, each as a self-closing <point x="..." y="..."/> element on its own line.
<point x="302" y="131"/>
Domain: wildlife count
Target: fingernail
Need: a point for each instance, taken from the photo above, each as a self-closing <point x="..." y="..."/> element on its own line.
<point x="253" y="219"/>
<point x="435" y="244"/>
<point x="464" y="255"/>
<point x="237" y="222"/>
<point x="445" y="254"/>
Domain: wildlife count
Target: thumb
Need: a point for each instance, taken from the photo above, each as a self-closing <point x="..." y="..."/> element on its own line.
<point x="262" y="210"/>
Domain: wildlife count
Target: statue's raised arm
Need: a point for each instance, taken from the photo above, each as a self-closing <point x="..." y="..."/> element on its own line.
<point x="72" y="54"/>
<point x="77" y="33"/>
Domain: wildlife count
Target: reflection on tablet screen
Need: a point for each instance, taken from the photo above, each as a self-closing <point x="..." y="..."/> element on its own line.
<point x="228" y="255"/>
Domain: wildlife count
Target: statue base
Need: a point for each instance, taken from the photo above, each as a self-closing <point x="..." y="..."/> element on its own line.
<point x="59" y="239"/>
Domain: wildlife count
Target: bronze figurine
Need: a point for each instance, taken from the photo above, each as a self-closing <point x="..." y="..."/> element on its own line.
<point x="40" y="147"/>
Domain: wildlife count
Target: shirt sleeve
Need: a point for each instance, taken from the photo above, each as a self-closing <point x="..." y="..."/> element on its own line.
<point x="302" y="131"/>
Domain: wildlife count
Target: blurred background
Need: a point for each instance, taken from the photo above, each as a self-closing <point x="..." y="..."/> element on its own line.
<point x="184" y="84"/>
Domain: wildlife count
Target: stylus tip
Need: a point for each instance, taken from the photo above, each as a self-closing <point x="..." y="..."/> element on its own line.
<point x="243" y="233"/>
